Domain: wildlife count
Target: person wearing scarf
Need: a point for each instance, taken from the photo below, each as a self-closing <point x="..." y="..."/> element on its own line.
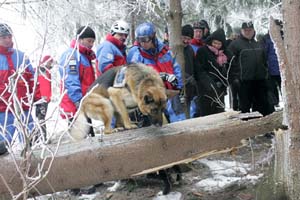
<point x="112" y="52"/>
<point x="17" y="78"/>
<point x="76" y="71"/>
<point x="211" y="74"/>
<point x="197" y="41"/>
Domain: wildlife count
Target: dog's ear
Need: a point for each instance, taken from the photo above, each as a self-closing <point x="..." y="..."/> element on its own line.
<point x="171" y="93"/>
<point x="148" y="99"/>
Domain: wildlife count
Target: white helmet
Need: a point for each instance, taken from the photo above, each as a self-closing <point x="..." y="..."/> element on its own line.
<point x="119" y="26"/>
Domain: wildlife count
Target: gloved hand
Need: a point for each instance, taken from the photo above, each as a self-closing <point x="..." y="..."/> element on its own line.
<point x="171" y="78"/>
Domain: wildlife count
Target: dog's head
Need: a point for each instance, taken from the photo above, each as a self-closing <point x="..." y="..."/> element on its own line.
<point x="152" y="102"/>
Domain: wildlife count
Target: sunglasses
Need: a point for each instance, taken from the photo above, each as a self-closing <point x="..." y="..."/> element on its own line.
<point x="144" y="39"/>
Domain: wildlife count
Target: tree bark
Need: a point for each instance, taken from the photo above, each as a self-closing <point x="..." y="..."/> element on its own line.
<point x="174" y="19"/>
<point x="130" y="153"/>
<point x="289" y="146"/>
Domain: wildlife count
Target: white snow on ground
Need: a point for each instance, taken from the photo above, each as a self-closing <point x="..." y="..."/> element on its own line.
<point x="225" y="174"/>
<point x="170" y="196"/>
<point x="115" y="187"/>
<point x="88" y="197"/>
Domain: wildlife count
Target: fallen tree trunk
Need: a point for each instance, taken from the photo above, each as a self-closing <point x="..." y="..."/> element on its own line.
<point x="129" y="153"/>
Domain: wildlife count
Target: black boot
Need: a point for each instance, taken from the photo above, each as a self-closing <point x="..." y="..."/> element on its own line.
<point x="3" y="148"/>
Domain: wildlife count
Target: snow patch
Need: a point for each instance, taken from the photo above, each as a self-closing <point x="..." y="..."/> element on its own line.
<point x="170" y="196"/>
<point x="115" y="187"/>
<point x="226" y="174"/>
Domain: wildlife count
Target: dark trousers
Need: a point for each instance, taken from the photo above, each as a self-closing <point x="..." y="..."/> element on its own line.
<point x="207" y="106"/>
<point x="253" y="95"/>
<point x="234" y="97"/>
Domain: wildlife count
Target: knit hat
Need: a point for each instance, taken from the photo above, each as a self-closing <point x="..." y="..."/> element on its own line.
<point x="204" y="23"/>
<point x="187" y="30"/>
<point x="5" y="30"/>
<point x="85" y="32"/>
<point x="198" y="25"/>
<point x="247" y="25"/>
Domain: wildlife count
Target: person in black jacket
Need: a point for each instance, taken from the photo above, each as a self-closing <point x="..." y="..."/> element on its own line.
<point x="191" y="90"/>
<point x="249" y="70"/>
<point x="211" y="74"/>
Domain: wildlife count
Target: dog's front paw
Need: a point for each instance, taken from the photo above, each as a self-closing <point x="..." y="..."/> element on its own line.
<point x="108" y="131"/>
<point x="131" y="126"/>
<point x="118" y="129"/>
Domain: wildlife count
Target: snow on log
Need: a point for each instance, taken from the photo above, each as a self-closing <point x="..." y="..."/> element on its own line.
<point x="130" y="153"/>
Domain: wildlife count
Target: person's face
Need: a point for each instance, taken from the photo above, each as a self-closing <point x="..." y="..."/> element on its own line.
<point x="6" y="41"/>
<point x="146" y="42"/>
<point x="248" y="33"/>
<point x="198" y="33"/>
<point x="121" y="36"/>
<point x="217" y="44"/>
<point x="49" y="64"/>
<point x="87" y="42"/>
<point x="185" y="40"/>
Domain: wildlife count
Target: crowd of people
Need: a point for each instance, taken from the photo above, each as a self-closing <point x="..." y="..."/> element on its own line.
<point x="213" y="64"/>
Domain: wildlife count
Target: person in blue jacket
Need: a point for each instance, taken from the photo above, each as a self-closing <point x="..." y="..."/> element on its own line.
<point x="17" y="78"/>
<point x="154" y="53"/>
<point x="77" y="71"/>
<point x="112" y="52"/>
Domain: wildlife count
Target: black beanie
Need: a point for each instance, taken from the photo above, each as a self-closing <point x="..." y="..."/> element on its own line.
<point x="187" y="30"/>
<point x="85" y="32"/>
<point x="247" y="25"/>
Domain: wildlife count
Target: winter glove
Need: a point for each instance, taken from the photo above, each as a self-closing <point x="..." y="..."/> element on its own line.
<point x="171" y="78"/>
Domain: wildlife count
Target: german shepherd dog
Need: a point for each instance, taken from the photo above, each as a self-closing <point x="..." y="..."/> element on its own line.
<point x="118" y="91"/>
<point x="115" y="93"/>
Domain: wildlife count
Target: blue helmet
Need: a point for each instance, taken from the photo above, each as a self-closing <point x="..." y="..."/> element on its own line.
<point x="145" y="29"/>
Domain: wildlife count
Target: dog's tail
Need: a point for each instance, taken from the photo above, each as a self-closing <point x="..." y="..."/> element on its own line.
<point x="80" y="127"/>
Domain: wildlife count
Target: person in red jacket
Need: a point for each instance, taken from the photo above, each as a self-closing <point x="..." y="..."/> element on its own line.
<point x="44" y="80"/>
<point x="16" y="89"/>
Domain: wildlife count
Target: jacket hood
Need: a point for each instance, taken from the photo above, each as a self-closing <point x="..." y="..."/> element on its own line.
<point x="219" y="35"/>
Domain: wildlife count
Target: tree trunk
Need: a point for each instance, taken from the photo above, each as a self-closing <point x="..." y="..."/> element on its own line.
<point x="289" y="146"/>
<point x="174" y="19"/>
<point x="130" y="153"/>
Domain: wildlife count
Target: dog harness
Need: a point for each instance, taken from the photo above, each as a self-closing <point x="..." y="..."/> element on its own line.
<point x="119" y="81"/>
